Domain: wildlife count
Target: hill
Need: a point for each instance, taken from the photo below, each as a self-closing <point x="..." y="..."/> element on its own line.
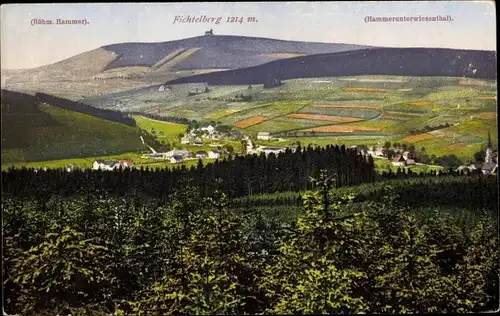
<point x="136" y="60"/>
<point x="216" y="51"/>
<point x="374" y="61"/>
<point x="35" y="131"/>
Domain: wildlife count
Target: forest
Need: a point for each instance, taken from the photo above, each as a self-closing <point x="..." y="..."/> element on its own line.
<point x="242" y="175"/>
<point x="198" y="241"/>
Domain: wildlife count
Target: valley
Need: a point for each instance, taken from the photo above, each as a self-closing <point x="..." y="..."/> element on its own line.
<point x="360" y="110"/>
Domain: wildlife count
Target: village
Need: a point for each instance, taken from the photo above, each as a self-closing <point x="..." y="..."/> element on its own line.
<point x="213" y="136"/>
<point x="204" y="136"/>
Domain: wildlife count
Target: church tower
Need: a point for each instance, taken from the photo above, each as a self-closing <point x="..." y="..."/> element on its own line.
<point x="489" y="151"/>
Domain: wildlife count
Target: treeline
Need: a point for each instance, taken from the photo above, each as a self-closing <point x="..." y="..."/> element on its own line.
<point x="241" y="175"/>
<point x="428" y="128"/>
<point x="110" y="115"/>
<point x="468" y="191"/>
<point x="102" y="255"/>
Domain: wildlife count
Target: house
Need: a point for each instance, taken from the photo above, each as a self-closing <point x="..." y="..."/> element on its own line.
<point x="275" y="150"/>
<point x="409" y="162"/>
<point x="235" y="134"/>
<point x="405" y="154"/>
<point x="176" y="159"/>
<point x="125" y="163"/>
<point x="264" y="136"/>
<point x="98" y="164"/>
<point x="201" y="154"/>
<point x="466" y="169"/>
<point x="104" y="165"/>
<point x="197" y="142"/>
<point x="70" y="168"/>
<point x="250" y="146"/>
<point x="185" y="140"/>
<point x="176" y="152"/>
<point x="210" y="129"/>
<point x="211" y="32"/>
<point x="164" y="88"/>
<point x="379" y="152"/>
<point x="214" y="154"/>
<point x="215" y="135"/>
<point x="399" y="160"/>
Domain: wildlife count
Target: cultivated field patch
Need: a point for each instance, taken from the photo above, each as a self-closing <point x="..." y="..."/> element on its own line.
<point x="403" y="114"/>
<point x="487" y="98"/>
<point x="418" y="138"/>
<point x="423" y="103"/>
<point x="323" y="117"/>
<point x="379" y="124"/>
<point x="487" y="115"/>
<point x="221" y="113"/>
<point x="341" y="129"/>
<point x="277" y="125"/>
<point x="360" y="113"/>
<point x="394" y="117"/>
<point x="250" y="121"/>
<point x="349" y="106"/>
<point x="367" y="90"/>
<point x="162" y="129"/>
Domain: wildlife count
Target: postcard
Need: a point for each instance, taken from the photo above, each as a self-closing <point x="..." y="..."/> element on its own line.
<point x="249" y="158"/>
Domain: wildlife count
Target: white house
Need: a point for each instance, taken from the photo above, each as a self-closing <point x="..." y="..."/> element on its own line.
<point x="185" y="140"/>
<point x="163" y="88"/>
<point x="210" y="129"/>
<point x="214" y="154"/>
<point x="264" y="136"/>
<point x="275" y="150"/>
<point x="201" y="154"/>
<point x="175" y="152"/>
<point x="104" y="165"/>
<point x="400" y="160"/>
<point x="197" y="142"/>
<point x="379" y="152"/>
<point x="250" y="146"/>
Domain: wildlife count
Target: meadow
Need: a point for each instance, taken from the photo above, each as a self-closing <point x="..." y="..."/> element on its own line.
<point x="163" y="131"/>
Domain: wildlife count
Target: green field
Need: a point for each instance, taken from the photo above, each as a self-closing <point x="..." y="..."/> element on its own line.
<point x="382" y="165"/>
<point x="86" y="162"/>
<point x="165" y="131"/>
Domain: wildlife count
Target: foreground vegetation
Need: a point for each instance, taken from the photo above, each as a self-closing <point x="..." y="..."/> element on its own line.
<point x="96" y="253"/>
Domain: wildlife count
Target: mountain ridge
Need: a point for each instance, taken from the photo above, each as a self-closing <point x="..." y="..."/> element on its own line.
<point x="374" y="61"/>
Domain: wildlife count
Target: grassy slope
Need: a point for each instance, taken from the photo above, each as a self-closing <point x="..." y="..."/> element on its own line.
<point x="67" y="135"/>
<point x="170" y="131"/>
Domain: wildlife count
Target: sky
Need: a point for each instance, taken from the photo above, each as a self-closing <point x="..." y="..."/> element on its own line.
<point x="24" y="45"/>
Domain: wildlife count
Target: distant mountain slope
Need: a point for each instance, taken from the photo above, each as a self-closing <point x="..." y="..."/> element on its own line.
<point x="160" y="61"/>
<point x="374" y="61"/>
<point x="35" y="131"/>
<point x="84" y="65"/>
<point x="218" y="51"/>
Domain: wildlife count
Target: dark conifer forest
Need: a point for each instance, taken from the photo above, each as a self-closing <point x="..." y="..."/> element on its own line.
<point x="311" y="231"/>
